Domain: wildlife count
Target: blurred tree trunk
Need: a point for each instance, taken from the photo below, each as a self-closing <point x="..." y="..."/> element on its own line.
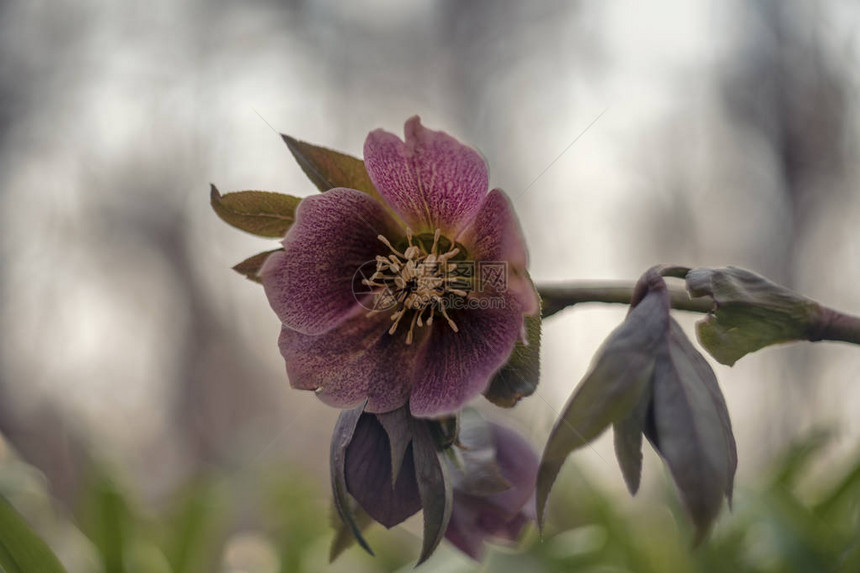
<point x="787" y="89"/>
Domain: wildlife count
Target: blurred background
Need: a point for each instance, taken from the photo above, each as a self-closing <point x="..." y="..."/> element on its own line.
<point x="146" y="423"/>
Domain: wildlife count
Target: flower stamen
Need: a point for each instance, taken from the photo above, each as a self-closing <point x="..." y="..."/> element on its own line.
<point x="417" y="280"/>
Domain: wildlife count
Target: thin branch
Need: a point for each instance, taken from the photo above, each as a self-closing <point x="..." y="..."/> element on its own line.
<point x="559" y="297"/>
<point x="835" y="325"/>
<point x="830" y="324"/>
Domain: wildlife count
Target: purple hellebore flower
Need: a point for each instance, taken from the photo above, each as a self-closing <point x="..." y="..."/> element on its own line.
<point x="429" y="339"/>
<point x="493" y="482"/>
<point x="369" y="478"/>
<point x="499" y="515"/>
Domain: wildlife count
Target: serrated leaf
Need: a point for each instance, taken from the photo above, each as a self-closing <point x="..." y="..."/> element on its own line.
<point x="21" y="550"/>
<point x="520" y="376"/>
<point x="250" y="267"/>
<point x="434" y="487"/>
<point x="328" y="169"/>
<point x="341" y="437"/>
<point x="750" y="312"/>
<point x="617" y="381"/>
<point x="260" y="213"/>
<point x="689" y="428"/>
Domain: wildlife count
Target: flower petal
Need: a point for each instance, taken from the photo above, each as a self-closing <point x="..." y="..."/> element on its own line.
<point x="518" y="463"/>
<point x="463" y="529"/>
<point x="431" y="180"/>
<point x="454" y="367"/>
<point x="503" y="515"/>
<point x="357" y="360"/>
<point x="494" y="236"/>
<point x="368" y="475"/>
<point x="310" y="283"/>
<point x="473" y="522"/>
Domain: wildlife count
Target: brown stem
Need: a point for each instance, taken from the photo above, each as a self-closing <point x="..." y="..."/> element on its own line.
<point x="829" y="325"/>
<point x="558" y="297"/>
<point x="835" y="325"/>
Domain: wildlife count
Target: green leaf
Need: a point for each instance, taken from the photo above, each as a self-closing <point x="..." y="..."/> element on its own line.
<point x="109" y="523"/>
<point x="434" y="487"/>
<point x="328" y="169"/>
<point x="750" y="312"/>
<point x="520" y="376"/>
<point x="850" y="561"/>
<point x="260" y="213"/>
<point x="250" y="267"/>
<point x="191" y="532"/>
<point x="799" y="457"/>
<point x="21" y="550"/>
<point x="341" y="437"/>
<point x="690" y="431"/>
<point x="841" y="495"/>
<point x="618" y="379"/>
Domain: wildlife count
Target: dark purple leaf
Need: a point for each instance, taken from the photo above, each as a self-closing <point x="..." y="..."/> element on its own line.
<point x="618" y="379"/>
<point x="627" y="436"/>
<point x="341" y="437"/>
<point x="434" y="487"/>
<point x="343" y="535"/>
<point x="396" y="425"/>
<point x="690" y="430"/>
<point x="368" y="475"/>
<point x="706" y="374"/>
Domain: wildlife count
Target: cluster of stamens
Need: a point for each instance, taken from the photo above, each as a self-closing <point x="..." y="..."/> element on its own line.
<point x="415" y="281"/>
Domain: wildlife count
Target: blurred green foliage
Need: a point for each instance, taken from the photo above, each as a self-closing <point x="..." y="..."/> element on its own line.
<point x="803" y="515"/>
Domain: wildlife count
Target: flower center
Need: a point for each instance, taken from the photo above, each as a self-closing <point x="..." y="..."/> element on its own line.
<point x="416" y="281"/>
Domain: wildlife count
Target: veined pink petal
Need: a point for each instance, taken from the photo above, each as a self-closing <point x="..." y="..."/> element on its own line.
<point x="454" y="367"/>
<point x="432" y="181"/>
<point x="310" y="283"/>
<point x="494" y="235"/>
<point x="357" y="360"/>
